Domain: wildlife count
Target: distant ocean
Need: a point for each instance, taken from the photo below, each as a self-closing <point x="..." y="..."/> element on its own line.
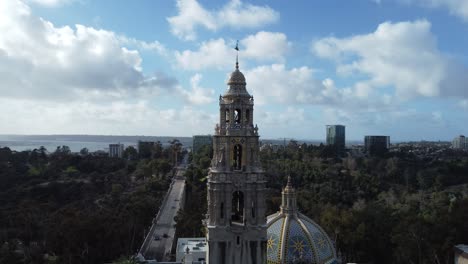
<point x="97" y="142"/>
<point x="77" y="142"/>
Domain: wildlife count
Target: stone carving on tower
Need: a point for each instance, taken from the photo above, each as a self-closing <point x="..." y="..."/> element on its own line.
<point x="236" y="221"/>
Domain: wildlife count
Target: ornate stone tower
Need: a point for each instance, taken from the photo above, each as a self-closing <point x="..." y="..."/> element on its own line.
<point x="236" y="221"/>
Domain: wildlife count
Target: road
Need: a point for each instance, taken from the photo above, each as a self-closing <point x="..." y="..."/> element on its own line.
<point x="159" y="249"/>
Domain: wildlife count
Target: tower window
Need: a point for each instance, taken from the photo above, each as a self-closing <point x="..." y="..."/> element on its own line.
<point x="247" y="116"/>
<point x="253" y="209"/>
<point x="237" y="116"/>
<point x="222" y="210"/>
<point x="238" y="207"/>
<point x="237" y="157"/>
<point x="227" y="116"/>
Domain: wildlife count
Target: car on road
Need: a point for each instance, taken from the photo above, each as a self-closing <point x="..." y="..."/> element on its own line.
<point x="165" y="236"/>
<point x="173" y="207"/>
<point x="156" y="237"/>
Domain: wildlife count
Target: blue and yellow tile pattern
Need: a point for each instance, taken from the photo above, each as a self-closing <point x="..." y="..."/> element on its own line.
<point x="296" y="237"/>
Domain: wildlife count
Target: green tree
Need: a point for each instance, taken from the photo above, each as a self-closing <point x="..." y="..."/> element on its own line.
<point x="84" y="151"/>
<point x="130" y="153"/>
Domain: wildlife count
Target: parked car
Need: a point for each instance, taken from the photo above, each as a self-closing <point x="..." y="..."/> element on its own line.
<point x="156" y="237"/>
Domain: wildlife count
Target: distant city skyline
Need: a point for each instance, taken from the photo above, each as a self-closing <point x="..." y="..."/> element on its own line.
<point x="156" y="68"/>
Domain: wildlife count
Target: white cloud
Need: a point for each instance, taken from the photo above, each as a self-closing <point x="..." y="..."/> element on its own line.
<point x="217" y="53"/>
<point x="211" y="54"/>
<point x="291" y="115"/>
<point x="118" y="118"/>
<point x="239" y="15"/>
<point x="455" y="7"/>
<point x="51" y="3"/>
<point x="291" y="122"/>
<point x="277" y="84"/>
<point x="463" y="104"/>
<point x="271" y="46"/>
<point x="197" y="95"/>
<point x="403" y="56"/>
<point x="155" y="46"/>
<point x="234" y="14"/>
<point x="400" y="122"/>
<point x="191" y="14"/>
<point x="40" y="60"/>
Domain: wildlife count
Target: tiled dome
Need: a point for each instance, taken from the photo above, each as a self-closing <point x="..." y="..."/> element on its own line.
<point x="295" y="238"/>
<point x="237" y="78"/>
<point x="237" y="84"/>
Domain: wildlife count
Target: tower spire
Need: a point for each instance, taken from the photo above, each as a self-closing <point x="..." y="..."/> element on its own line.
<point x="288" y="204"/>
<point x="237" y="55"/>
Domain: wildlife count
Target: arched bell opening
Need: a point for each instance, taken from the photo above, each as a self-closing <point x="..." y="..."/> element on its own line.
<point x="226" y="114"/>
<point x="247" y="116"/>
<point x="237" y="116"/>
<point x="222" y="210"/>
<point x="237" y="207"/>
<point x="252" y="210"/>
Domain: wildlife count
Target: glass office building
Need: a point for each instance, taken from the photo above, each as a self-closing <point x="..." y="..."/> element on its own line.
<point x="336" y="136"/>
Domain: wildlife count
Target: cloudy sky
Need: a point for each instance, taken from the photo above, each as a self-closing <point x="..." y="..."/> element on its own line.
<point x="392" y="67"/>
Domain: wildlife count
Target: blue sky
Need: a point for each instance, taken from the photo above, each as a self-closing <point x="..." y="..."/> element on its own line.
<point x="392" y="67"/>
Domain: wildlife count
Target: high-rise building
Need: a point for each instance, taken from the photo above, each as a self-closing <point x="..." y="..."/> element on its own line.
<point x="116" y="150"/>
<point x="199" y="141"/>
<point x="459" y="142"/>
<point x="336" y="136"/>
<point x="236" y="220"/>
<point x="376" y="145"/>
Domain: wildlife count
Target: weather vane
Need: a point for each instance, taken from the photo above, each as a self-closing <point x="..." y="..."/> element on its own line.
<point x="237" y="55"/>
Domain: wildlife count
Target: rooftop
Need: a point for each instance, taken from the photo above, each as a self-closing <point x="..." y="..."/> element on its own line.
<point x="195" y="244"/>
<point x="463" y="248"/>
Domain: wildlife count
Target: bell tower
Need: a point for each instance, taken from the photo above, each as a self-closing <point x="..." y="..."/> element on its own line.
<point x="236" y="221"/>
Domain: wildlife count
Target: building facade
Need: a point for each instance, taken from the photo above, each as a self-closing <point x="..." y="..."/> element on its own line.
<point x="459" y="142"/>
<point x="191" y="250"/>
<point x="375" y="145"/>
<point x="116" y="150"/>
<point x="236" y="220"/>
<point x="199" y="141"/>
<point x="336" y="136"/>
<point x="461" y="254"/>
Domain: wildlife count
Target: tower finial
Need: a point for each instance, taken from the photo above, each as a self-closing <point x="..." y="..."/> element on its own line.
<point x="288" y="203"/>
<point x="237" y="55"/>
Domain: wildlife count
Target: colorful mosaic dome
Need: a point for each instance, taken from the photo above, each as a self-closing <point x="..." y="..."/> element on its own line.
<point x="295" y="238"/>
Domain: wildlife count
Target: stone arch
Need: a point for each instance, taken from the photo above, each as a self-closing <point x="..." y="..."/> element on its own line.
<point x="237" y="116"/>
<point x="247" y="116"/>
<point x="237" y="207"/>
<point x="227" y="116"/>
<point x="222" y="210"/>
